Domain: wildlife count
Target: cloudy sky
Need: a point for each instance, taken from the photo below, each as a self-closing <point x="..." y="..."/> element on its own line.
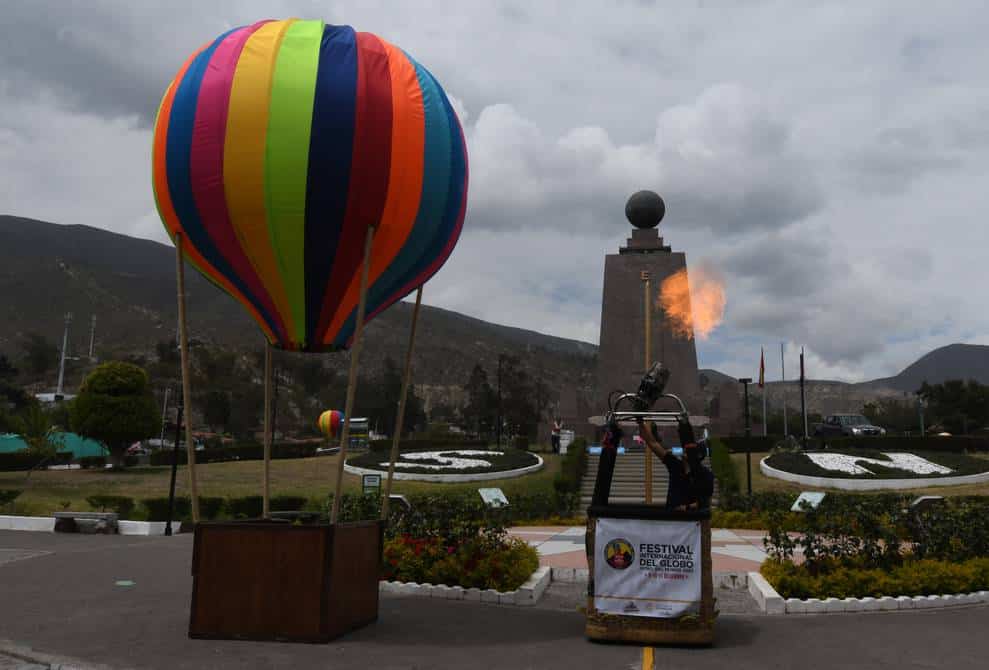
<point x="828" y="160"/>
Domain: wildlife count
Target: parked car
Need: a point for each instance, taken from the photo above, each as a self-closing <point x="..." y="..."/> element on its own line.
<point x="847" y="425"/>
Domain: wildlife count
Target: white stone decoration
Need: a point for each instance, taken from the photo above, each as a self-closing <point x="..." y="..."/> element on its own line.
<point x="900" y="461"/>
<point x="463" y="460"/>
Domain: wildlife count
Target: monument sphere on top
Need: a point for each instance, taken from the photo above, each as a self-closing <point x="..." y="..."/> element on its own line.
<point x="645" y="209"/>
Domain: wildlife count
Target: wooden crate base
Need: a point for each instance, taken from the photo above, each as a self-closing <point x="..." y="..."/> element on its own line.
<point x="690" y="630"/>
<point x="275" y="581"/>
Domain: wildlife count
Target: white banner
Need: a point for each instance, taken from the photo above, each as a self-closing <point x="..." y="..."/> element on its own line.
<point x="647" y="568"/>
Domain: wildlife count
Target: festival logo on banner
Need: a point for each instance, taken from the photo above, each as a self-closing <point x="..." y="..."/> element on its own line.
<point x="619" y="554"/>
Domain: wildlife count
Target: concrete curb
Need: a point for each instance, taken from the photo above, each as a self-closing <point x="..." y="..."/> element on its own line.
<point x="771" y="602"/>
<point x="37" y="523"/>
<point x="526" y="595"/>
<point x="474" y="477"/>
<point x="765" y="595"/>
<point x="870" y="484"/>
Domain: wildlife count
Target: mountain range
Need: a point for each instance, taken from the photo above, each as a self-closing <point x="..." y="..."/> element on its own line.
<point x="128" y="284"/>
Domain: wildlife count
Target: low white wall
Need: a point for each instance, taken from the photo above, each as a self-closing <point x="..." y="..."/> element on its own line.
<point x="869" y="484"/>
<point x="41" y="523"/>
<point x="472" y="477"/>
<point x="145" y="527"/>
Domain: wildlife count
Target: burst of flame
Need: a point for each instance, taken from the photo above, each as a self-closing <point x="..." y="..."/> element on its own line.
<point x="694" y="305"/>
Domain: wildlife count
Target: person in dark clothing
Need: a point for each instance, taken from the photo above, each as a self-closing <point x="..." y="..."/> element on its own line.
<point x="691" y="484"/>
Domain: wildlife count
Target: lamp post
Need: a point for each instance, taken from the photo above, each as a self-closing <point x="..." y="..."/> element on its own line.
<point x="175" y="466"/>
<point x="500" y="356"/>
<point x="745" y="381"/>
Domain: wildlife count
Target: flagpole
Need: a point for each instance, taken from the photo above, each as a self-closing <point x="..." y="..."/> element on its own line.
<point x="765" y="392"/>
<point x="786" y="433"/>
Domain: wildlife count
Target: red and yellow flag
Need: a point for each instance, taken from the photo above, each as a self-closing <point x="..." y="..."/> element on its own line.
<point x="762" y="368"/>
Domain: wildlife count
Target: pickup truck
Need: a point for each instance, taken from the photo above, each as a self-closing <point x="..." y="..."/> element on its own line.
<point x="846" y="425"/>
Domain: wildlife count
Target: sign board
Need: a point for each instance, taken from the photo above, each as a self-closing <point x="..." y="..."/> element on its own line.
<point x="812" y="498"/>
<point x="493" y="497"/>
<point x="647" y="568"/>
<point x="566" y="439"/>
<point x="371" y="483"/>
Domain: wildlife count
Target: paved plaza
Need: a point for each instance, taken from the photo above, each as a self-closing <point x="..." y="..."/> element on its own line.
<point x="123" y="602"/>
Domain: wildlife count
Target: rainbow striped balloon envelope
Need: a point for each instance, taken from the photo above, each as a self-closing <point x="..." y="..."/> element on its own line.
<point x="279" y="144"/>
<point x="329" y="422"/>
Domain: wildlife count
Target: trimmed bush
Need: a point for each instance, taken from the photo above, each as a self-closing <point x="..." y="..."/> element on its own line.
<point x="245" y="452"/>
<point x="435" y="442"/>
<point x="27" y="460"/>
<point x="930" y="443"/>
<point x="8" y="496"/>
<point x="210" y="507"/>
<point x="739" y="444"/>
<point x="122" y="505"/>
<point x="245" y="507"/>
<point x="724" y="470"/>
<point x="158" y="508"/>
<point x="913" y="578"/>
<point x="89" y="462"/>
<point x="287" y="503"/>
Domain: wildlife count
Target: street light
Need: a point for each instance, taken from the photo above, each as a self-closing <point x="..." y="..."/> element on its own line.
<point x="175" y="466"/>
<point x="745" y="381"/>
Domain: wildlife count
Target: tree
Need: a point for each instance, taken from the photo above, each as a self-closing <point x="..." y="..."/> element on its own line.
<point x="38" y="430"/>
<point x="168" y="352"/>
<point x="41" y="355"/>
<point x="116" y="408"/>
<point x="216" y="410"/>
<point x="7" y="369"/>
<point x="482" y="403"/>
<point x="893" y="414"/>
<point x="959" y="406"/>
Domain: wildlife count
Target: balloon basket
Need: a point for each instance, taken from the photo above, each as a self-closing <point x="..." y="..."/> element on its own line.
<point x="270" y="580"/>
<point x="693" y="628"/>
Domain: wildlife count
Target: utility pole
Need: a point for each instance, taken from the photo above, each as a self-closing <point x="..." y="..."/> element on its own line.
<point x="61" y="363"/>
<point x="164" y="410"/>
<point x="786" y="433"/>
<point x="745" y="381"/>
<point x="920" y="411"/>
<point x="92" y="339"/>
<point x="803" y="399"/>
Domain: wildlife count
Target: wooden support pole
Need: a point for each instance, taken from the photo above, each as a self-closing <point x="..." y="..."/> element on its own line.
<point x="647" y="284"/>
<point x="355" y="354"/>
<point x="186" y="384"/>
<point x="268" y="429"/>
<point x="400" y="418"/>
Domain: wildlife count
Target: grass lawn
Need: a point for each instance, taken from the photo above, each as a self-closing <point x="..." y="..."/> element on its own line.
<point x="49" y="491"/>
<point x="762" y="483"/>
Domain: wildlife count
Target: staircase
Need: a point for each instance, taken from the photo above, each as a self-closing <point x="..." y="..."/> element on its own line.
<point x="628" y="483"/>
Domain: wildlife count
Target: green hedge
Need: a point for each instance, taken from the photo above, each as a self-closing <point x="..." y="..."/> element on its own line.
<point x="251" y="452"/>
<point x="122" y="505"/>
<point x="913" y="578"/>
<point x="902" y="443"/>
<point x="799" y="463"/>
<point x="572" y="468"/>
<point x="451" y="442"/>
<point x="26" y="460"/>
<point x="8" y="496"/>
<point x="158" y="508"/>
<point x="739" y="444"/>
<point x="88" y="462"/>
<point x="724" y="469"/>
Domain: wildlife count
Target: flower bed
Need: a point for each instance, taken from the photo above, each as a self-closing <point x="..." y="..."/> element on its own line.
<point x="485" y="562"/>
<point x="449" y="461"/>
<point x="870" y="464"/>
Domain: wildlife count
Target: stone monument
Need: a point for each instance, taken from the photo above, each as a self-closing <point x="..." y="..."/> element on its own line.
<point x="621" y="350"/>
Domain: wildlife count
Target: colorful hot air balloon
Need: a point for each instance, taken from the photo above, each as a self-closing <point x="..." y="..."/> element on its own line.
<point x="330" y="422"/>
<point x="279" y="144"/>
